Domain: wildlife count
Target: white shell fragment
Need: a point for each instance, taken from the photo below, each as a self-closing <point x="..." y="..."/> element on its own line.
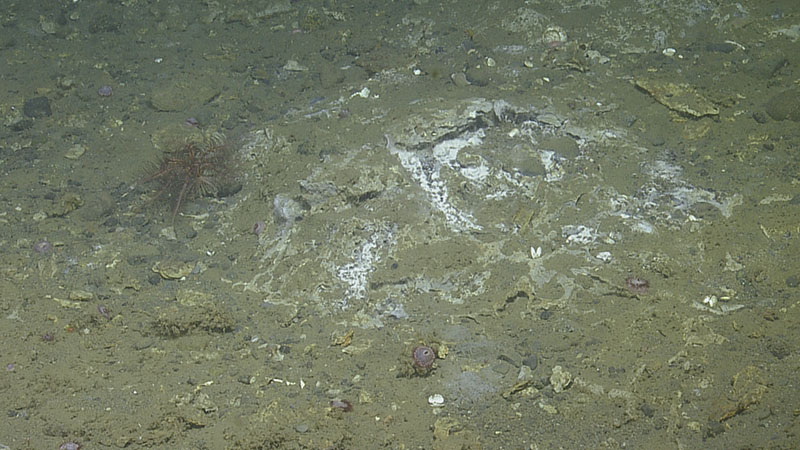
<point x="436" y="400"/>
<point x="604" y="256"/>
<point x="716" y="305"/>
<point x="294" y="66"/>
<point x="363" y="93"/>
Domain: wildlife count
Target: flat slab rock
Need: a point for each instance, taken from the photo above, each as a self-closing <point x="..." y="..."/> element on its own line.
<point x="680" y="97"/>
<point x="184" y="93"/>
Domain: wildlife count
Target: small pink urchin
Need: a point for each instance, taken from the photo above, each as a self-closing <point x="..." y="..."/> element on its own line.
<point x="43" y="247"/>
<point x="423" y="356"/>
<point x="637" y="285"/>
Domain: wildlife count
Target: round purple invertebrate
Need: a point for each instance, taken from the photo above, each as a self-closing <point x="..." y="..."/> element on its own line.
<point x="342" y="404"/>
<point x="259" y="227"/>
<point x="104" y="311"/>
<point x="105" y="91"/>
<point x="637" y="285"/>
<point x="43" y="247"/>
<point x="423" y="356"/>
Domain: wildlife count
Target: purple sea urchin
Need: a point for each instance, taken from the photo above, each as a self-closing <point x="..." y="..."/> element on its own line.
<point x="423" y="356"/>
<point x="637" y="285"/>
<point x="43" y="247"/>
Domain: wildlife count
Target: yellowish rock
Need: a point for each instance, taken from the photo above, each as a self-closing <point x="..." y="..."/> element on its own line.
<point x="80" y="295"/>
<point x="173" y="270"/>
<point x="191" y="297"/>
<point x="75" y="152"/>
<point x="560" y="379"/>
<point x="680" y="97"/>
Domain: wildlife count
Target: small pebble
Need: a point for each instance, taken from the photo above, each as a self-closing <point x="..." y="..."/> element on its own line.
<point x="37" y="107"/>
<point x="531" y="361"/>
<point x="105" y="91"/>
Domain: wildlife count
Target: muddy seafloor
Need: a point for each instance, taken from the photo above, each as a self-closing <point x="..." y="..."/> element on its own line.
<point x="590" y="213"/>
